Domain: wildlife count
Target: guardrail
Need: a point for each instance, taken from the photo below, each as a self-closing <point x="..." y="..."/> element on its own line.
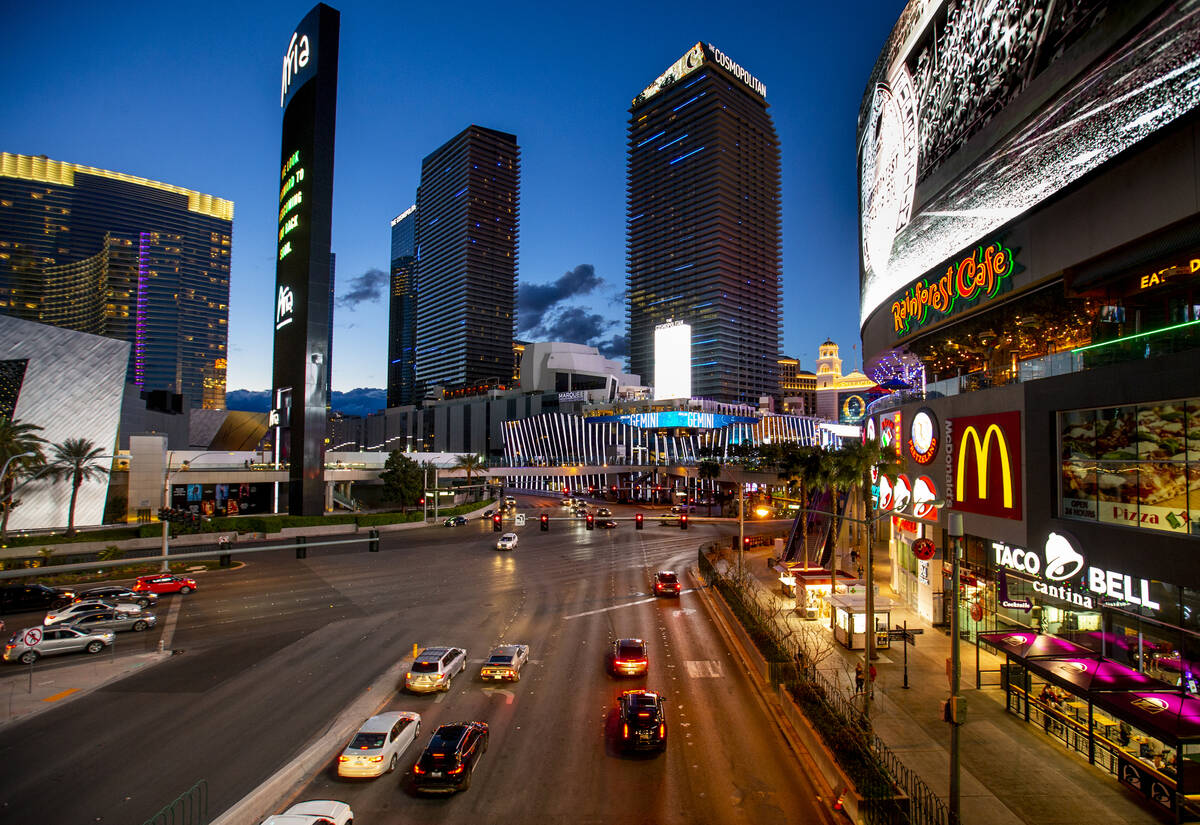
<point x="189" y="808"/>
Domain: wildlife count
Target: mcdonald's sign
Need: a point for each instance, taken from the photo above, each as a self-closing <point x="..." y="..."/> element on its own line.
<point x="985" y="464"/>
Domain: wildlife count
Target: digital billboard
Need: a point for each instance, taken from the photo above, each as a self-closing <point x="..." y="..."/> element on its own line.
<point x="976" y="112"/>
<point x="308" y="96"/>
<point x="672" y="360"/>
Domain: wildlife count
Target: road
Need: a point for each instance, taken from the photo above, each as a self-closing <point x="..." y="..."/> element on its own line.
<point x="271" y="653"/>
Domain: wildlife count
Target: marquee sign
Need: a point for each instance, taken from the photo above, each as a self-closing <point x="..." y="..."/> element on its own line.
<point x="984" y="464"/>
<point x="979" y="276"/>
<point x="674" y="418"/>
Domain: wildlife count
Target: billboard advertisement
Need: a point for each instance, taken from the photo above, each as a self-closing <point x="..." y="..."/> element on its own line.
<point x="672" y="360"/>
<point x="983" y="464"/>
<point x="223" y="499"/>
<point x="308" y="96"/>
<point x="977" y="112"/>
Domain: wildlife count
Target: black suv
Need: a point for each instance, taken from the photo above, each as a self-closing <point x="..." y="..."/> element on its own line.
<point x="450" y="758"/>
<point x="122" y="595"/>
<point x="643" y="721"/>
<point x="19" y="598"/>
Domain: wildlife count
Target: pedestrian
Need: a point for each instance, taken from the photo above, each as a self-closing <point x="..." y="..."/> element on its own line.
<point x="858" y="677"/>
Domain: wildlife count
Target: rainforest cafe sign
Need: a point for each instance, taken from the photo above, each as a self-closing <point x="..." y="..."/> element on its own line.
<point x="977" y="277"/>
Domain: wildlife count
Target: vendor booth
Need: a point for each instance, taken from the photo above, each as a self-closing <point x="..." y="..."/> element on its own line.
<point x="812" y="587"/>
<point x="1140" y="729"/>
<point x="850" y="619"/>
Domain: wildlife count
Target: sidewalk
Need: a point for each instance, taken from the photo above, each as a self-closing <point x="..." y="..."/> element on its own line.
<point x="1011" y="772"/>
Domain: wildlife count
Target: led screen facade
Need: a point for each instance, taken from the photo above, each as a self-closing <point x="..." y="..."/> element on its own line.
<point x="308" y="96"/>
<point x="976" y="113"/>
<point x="672" y="360"/>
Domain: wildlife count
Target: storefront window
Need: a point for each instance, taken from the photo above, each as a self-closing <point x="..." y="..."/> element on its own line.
<point x="1130" y="465"/>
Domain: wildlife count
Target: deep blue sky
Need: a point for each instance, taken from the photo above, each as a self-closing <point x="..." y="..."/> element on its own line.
<point x="188" y="94"/>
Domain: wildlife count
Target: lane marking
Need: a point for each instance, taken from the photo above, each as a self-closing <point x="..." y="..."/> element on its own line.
<point x="707" y="669"/>
<point x="606" y="609"/>
<point x="169" y="627"/>
<point x="60" y="695"/>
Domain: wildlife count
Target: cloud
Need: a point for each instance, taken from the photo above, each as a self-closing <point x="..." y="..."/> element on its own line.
<point x="575" y="326"/>
<point x="535" y="300"/>
<point x="615" y="347"/>
<point x="367" y="287"/>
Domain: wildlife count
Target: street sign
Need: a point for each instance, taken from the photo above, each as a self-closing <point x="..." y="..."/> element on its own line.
<point x="520" y="519"/>
<point x="32" y="636"/>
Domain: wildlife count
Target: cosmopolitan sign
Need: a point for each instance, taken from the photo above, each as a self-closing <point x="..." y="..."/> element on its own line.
<point x="983" y="464"/>
<point x="1061" y="572"/>
<point x="979" y="276"/>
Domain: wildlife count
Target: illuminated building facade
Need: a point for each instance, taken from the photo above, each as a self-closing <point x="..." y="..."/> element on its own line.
<point x="466" y="234"/>
<point x="1028" y="201"/>
<point x="703" y="218"/>
<point x="402" y="315"/>
<point x="125" y="257"/>
<point x="797" y="388"/>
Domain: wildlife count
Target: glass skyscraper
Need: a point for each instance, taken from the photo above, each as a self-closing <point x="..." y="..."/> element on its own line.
<point x="704" y="225"/>
<point x="402" y="317"/>
<point x="466" y="234"/>
<point x="125" y="257"/>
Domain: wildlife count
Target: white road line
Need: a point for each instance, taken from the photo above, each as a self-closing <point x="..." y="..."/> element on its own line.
<point x="169" y="628"/>
<point x="606" y="609"/>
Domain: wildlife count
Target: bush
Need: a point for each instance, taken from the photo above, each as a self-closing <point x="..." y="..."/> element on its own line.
<point x="114" y="534"/>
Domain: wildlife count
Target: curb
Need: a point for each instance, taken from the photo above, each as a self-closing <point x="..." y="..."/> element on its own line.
<point x="287" y="781"/>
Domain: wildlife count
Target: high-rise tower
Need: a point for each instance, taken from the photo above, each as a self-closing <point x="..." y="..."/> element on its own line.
<point x="125" y="257"/>
<point x="704" y="224"/>
<point x="467" y="217"/>
<point x="402" y="315"/>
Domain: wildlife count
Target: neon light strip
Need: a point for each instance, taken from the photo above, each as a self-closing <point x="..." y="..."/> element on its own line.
<point x="1139" y="335"/>
<point x="688" y="155"/>
<point x="139" y="333"/>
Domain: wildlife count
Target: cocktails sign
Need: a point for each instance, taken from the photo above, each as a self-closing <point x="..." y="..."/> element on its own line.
<point x="983" y="274"/>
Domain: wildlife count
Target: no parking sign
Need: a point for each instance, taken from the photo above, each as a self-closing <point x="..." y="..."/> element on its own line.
<point x="32" y="636"/>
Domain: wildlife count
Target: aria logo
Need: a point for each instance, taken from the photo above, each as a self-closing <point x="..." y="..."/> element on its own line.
<point x="294" y="59"/>
<point x="283" y="307"/>
<point x="1062" y="560"/>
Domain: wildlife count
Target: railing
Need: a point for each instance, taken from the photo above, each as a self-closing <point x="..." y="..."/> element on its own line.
<point x="189" y="808"/>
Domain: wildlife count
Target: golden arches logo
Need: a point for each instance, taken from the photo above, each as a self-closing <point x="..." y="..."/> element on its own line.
<point x="982" y="451"/>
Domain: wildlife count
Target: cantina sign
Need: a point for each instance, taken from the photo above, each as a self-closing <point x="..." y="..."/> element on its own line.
<point x="979" y="276"/>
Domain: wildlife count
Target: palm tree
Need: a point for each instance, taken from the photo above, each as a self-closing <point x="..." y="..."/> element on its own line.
<point x="77" y="459"/>
<point x="710" y="470"/>
<point x="22" y="446"/>
<point x="807" y="470"/>
<point x="471" y="463"/>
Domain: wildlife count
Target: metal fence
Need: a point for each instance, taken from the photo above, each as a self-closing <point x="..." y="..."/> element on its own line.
<point x="877" y="771"/>
<point x="189" y="808"/>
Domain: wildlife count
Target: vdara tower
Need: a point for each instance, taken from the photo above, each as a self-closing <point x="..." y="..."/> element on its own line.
<point x="703" y="220"/>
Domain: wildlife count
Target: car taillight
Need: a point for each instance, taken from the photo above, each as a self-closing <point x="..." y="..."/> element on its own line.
<point x="376" y="759"/>
<point x="343" y="758"/>
<point x="662" y="731"/>
<point x="457" y="770"/>
<point x="418" y="769"/>
<point x="625" y="731"/>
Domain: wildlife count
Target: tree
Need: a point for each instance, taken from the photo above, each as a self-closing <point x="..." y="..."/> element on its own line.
<point x="710" y="470"/>
<point x="471" y="463"/>
<point x="402" y="479"/>
<point x="852" y="465"/>
<point x="77" y="459"/>
<point x="806" y="470"/>
<point x="17" y="439"/>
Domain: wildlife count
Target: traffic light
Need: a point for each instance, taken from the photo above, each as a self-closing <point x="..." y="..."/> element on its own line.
<point x="637" y="522"/>
<point x="683" y="521"/>
<point x="545" y="523"/>
<point x="421" y="501"/>
<point x="164" y="514"/>
<point x="495" y="522"/>
<point x="591" y="522"/>
<point x="746" y="542"/>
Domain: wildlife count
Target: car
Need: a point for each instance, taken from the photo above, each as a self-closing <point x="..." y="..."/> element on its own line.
<point x="679" y="509"/>
<point x="643" y="717"/>
<point x="509" y="501"/>
<point x="19" y="598"/>
<point x="628" y="657"/>
<point x="450" y="758"/>
<point x="376" y="748"/>
<point x="164" y="583"/>
<point x="604" y="511"/>
<point x="116" y="594"/>
<point x="580" y="512"/>
<point x="488" y="513"/>
<point x="435" y="668"/>
<point x="607" y="523"/>
<point x="666" y="583"/>
<point x="51" y="641"/>
<point x="77" y="610"/>
<point x="505" y="662"/>
<point x="314" y="812"/>
<point x="508" y="541"/>
<point x="568" y="502"/>
<point x="117" y="620"/>
<point x="455" y="521"/>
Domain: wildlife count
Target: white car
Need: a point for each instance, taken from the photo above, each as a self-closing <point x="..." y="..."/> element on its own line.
<point x="376" y="748"/>
<point x="315" y="812"/>
<point x="435" y="668"/>
<point x="65" y="615"/>
<point x="508" y="541"/>
<point x="505" y="662"/>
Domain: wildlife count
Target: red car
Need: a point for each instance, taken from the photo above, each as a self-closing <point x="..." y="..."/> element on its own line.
<point x="666" y="583"/>
<point x="164" y="583"/>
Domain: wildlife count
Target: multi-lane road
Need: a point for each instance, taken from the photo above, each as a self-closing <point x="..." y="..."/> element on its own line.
<point x="271" y="653"/>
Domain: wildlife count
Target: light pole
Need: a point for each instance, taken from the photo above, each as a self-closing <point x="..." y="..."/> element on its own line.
<point x="4" y="472"/>
<point x="741" y="529"/>
<point x="955" y="528"/>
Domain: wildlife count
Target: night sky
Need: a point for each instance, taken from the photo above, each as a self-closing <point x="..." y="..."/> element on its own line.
<point x="188" y="94"/>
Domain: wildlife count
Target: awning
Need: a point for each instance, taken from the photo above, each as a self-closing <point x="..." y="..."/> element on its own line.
<point x="1165" y="716"/>
<point x="1026" y="644"/>
<point x="1089" y="674"/>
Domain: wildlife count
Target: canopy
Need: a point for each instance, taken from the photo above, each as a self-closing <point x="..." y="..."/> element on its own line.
<point x="1026" y="644"/>
<point x="1165" y="716"/>
<point x="1088" y="674"/>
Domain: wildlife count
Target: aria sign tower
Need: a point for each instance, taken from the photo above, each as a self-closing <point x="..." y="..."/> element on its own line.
<point x="308" y="97"/>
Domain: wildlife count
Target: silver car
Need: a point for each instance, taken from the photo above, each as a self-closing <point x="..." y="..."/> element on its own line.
<point x="50" y="641"/>
<point x="505" y="662"/>
<point x="77" y="610"/>
<point x="116" y="620"/>
<point x="435" y="668"/>
<point x="376" y="748"/>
